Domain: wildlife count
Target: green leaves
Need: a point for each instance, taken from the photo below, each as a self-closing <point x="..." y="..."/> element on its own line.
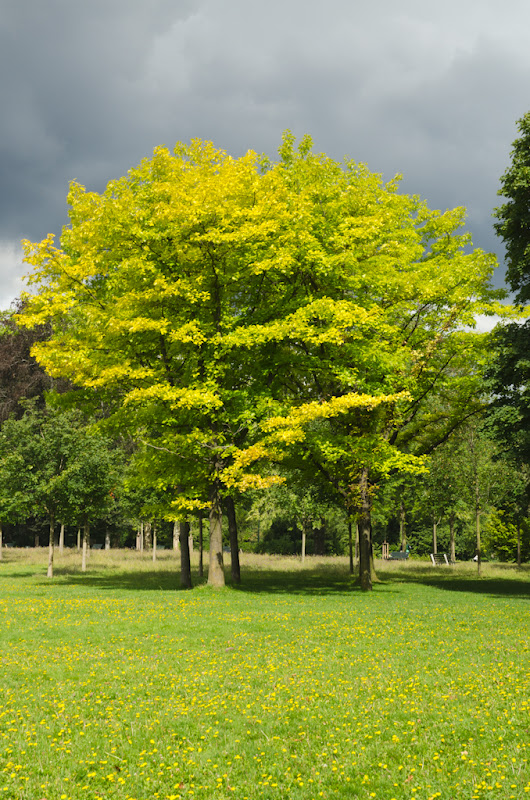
<point x="231" y="312"/>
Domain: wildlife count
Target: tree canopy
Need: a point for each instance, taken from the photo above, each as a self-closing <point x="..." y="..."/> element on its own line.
<point x="513" y="226"/>
<point x="227" y="310"/>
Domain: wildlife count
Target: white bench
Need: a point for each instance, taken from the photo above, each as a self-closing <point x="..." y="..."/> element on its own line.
<point x="439" y="558"/>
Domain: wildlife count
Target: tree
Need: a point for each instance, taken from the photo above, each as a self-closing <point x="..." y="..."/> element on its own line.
<point x="20" y="375"/>
<point x="54" y="467"/>
<point x="513" y="226"/>
<point x="228" y="310"/>
<point x="91" y="475"/>
<point x="15" y="499"/>
<point x="508" y="381"/>
<point x="508" y="371"/>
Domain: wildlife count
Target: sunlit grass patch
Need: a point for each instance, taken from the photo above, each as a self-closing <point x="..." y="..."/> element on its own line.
<point x="115" y="687"/>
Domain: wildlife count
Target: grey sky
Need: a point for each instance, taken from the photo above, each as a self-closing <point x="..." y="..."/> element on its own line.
<point x="426" y="89"/>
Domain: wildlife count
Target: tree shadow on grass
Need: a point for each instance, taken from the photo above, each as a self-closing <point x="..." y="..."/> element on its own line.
<point x="493" y="587"/>
<point x="134" y="580"/>
<point x="515" y="586"/>
<point x="318" y="581"/>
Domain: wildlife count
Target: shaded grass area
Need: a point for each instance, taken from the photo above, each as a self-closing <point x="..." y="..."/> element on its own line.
<point x="129" y="570"/>
<point x="294" y="685"/>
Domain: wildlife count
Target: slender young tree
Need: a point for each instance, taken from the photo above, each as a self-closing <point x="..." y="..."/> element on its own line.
<point x="185" y="561"/>
<point x="233" y="535"/>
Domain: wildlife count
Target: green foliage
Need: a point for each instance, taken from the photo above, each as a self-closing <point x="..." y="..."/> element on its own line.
<point x="282" y="537"/>
<point x="52" y="465"/>
<point x="500" y="537"/>
<point x="513" y="227"/>
<point x="508" y="379"/>
<point x="202" y="295"/>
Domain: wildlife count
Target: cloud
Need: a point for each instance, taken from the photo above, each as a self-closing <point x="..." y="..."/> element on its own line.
<point x="431" y="91"/>
<point x="11" y="271"/>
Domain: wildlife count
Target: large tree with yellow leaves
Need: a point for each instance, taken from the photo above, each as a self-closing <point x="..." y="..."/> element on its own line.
<point x="223" y="307"/>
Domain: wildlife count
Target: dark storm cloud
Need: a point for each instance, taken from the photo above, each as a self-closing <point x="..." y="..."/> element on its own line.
<point x="431" y="91"/>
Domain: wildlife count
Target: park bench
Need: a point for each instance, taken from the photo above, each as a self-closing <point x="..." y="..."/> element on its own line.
<point x="439" y="558"/>
<point x="398" y="555"/>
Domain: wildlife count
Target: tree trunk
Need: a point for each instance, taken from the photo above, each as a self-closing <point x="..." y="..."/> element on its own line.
<point x="154" y="543"/>
<point x="201" y="547"/>
<point x="49" y="574"/>
<point x="61" y="539"/>
<point x="175" y="535"/>
<point x="216" y="575"/>
<point x="402" y="527"/>
<point x="86" y="534"/>
<point x="452" y="551"/>
<point x="307" y="526"/>
<point x="365" y="533"/>
<point x="1" y="542"/>
<point x="107" y="538"/>
<point x="79" y="538"/>
<point x="185" y="564"/>
<point x="141" y="537"/>
<point x="350" y="544"/>
<point x="356" y="540"/>
<point x="479" y="553"/>
<point x="518" y="543"/>
<point x="235" y="568"/>
<point x="434" y="539"/>
<point x="147" y="535"/>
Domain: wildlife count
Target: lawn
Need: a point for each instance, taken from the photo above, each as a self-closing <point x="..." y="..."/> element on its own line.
<point x="115" y="684"/>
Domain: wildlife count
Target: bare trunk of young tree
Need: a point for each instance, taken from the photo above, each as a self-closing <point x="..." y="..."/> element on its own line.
<point x="201" y="547"/>
<point x="86" y="534"/>
<point x="37" y="540"/>
<point x="434" y="539"/>
<point x="477" y="522"/>
<point x="154" y="542"/>
<point x="147" y="535"/>
<point x="79" y="538"/>
<point x="185" y="562"/>
<point x="107" y="538"/>
<point x="402" y="527"/>
<point x="142" y="537"/>
<point x="216" y="575"/>
<point x="518" y="543"/>
<point x="175" y="535"/>
<point x="365" y="533"/>
<point x="50" y="548"/>
<point x="452" y="549"/>
<point x="350" y="544"/>
<point x="235" y="568"/>
<point x="479" y="552"/>
<point x="1" y="542"/>
<point x="61" y="539"/>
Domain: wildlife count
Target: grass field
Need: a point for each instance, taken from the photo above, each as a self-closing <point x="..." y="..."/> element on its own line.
<point x="113" y="684"/>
